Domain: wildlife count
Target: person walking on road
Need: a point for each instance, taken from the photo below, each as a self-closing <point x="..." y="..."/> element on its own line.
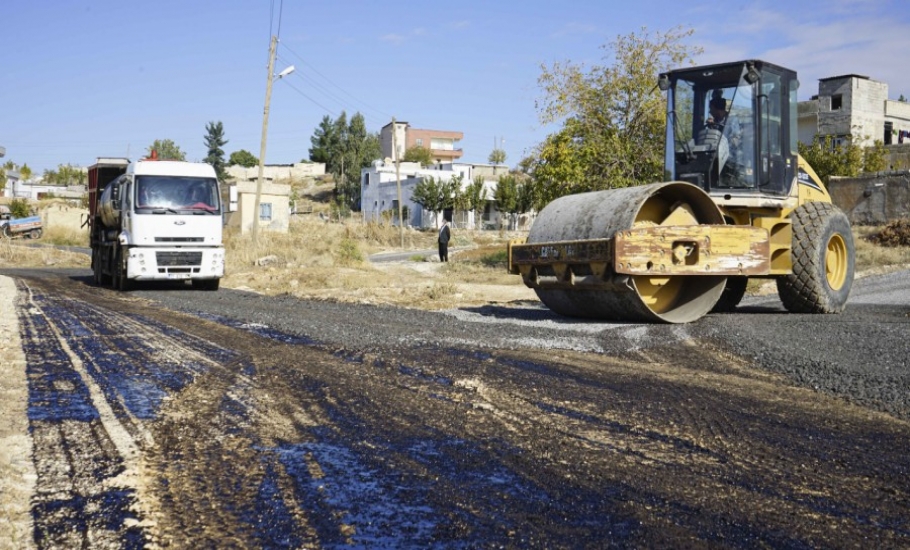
<point x="444" y="235"/>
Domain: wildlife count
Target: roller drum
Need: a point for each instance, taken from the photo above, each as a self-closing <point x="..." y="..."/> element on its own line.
<point x="600" y="215"/>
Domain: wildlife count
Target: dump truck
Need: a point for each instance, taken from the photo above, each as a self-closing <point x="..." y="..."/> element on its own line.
<point x="155" y="220"/>
<point x="739" y="203"/>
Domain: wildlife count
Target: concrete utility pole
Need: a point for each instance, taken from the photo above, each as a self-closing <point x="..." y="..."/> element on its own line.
<point x="265" y="129"/>
<point x="398" y="179"/>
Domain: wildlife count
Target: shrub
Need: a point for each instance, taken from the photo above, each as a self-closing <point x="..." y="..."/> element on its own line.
<point x="19" y="208"/>
<point x="896" y="233"/>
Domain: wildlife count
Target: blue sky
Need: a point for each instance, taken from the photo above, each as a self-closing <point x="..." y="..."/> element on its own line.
<point x="86" y="78"/>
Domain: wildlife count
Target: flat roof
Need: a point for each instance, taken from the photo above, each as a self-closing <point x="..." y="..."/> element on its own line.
<point x="863" y="77"/>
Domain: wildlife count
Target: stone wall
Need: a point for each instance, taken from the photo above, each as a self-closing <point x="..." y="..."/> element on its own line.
<point x="874" y="199"/>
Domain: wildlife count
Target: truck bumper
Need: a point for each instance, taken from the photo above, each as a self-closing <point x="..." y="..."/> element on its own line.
<point x="174" y="264"/>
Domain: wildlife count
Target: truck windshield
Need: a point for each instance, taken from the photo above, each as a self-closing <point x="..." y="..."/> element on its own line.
<point x="180" y="194"/>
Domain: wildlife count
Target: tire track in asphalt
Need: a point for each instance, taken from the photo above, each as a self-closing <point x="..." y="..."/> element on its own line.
<point x="84" y="458"/>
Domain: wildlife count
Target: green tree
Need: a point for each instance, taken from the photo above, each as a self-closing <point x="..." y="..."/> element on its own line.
<point x="19" y="208"/>
<point x="214" y="141"/>
<point x="324" y="142"/>
<point x="829" y="159"/>
<point x="243" y="158"/>
<point x="497" y="156"/>
<point x="418" y="154"/>
<point x="514" y="195"/>
<point x="875" y="157"/>
<point x="25" y="172"/>
<point x="474" y="197"/>
<point x="612" y="116"/>
<point x="166" y="149"/>
<point x="345" y="147"/>
<point x="436" y="194"/>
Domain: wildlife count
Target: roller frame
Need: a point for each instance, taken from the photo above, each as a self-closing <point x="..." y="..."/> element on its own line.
<point x="711" y="250"/>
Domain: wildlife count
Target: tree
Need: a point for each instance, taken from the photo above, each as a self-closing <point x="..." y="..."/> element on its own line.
<point x="875" y="157"/>
<point x="418" y="154"/>
<point x="612" y="116"/>
<point x="166" y="149"/>
<point x="436" y="194"/>
<point x="324" y="142"/>
<point x="25" y="172"/>
<point x="345" y="148"/>
<point x="514" y="195"/>
<point x="214" y="141"/>
<point x="474" y="197"/>
<point x="243" y="158"/>
<point x="497" y="156"/>
<point x="847" y="159"/>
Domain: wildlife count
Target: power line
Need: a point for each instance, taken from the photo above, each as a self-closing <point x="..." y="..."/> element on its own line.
<point x="345" y="92"/>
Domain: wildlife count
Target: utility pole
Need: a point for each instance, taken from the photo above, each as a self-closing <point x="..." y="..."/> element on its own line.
<point x="398" y="179"/>
<point x="265" y="129"/>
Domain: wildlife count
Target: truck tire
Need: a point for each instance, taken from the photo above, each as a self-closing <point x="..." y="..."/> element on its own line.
<point x="823" y="261"/>
<point x="732" y="295"/>
<point x="121" y="282"/>
<point x="36" y="233"/>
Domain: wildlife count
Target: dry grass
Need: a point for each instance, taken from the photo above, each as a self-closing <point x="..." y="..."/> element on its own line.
<point x="15" y="253"/>
<point x="320" y="260"/>
<point x="328" y="261"/>
<point x="875" y="258"/>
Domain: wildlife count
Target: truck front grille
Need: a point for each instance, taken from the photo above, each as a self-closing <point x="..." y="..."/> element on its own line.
<point x="179" y="239"/>
<point x="182" y="259"/>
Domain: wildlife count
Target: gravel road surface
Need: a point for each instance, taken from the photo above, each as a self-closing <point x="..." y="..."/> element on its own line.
<point x="168" y="417"/>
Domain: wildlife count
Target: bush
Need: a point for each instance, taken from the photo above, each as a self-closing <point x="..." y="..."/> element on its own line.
<point x="19" y="208"/>
<point x="896" y="233"/>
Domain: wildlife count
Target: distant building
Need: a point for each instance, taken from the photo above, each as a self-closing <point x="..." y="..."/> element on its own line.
<point x="239" y="201"/>
<point x="277" y="172"/>
<point x="854" y="105"/>
<point x="441" y="143"/>
<point x="379" y="193"/>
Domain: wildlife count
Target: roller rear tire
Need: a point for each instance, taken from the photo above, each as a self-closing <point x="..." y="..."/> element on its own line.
<point x="823" y="261"/>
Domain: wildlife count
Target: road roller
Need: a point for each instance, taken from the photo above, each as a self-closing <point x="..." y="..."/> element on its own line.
<point x="739" y="203"/>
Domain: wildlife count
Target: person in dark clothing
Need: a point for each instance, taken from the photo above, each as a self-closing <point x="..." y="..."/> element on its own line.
<point x="444" y="235"/>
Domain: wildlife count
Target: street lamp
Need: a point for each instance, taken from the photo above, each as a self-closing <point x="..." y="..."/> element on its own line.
<point x="265" y="126"/>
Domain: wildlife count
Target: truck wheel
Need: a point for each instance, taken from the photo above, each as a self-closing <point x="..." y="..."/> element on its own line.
<point x="6" y="232"/>
<point x="732" y="295"/>
<point x="823" y="261"/>
<point x="121" y="282"/>
<point x="36" y="233"/>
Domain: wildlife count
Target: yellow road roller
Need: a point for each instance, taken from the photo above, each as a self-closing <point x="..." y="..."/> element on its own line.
<point x="740" y="202"/>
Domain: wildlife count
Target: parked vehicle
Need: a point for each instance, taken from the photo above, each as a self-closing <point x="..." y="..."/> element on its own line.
<point x="155" y="220"/>
<point x="29" y="227"/>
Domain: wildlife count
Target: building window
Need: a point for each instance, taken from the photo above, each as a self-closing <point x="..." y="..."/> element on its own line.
<point x="837" y="102"/>
<point x="419" y="142"/>
<point x="265" y="212"/>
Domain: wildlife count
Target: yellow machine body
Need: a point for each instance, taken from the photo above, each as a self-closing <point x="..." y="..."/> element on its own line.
<point x="674" y="251"/>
